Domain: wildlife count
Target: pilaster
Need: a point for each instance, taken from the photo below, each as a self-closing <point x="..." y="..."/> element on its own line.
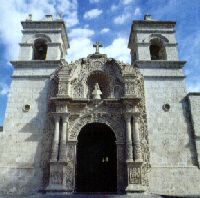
<point x="133" y="155"/>
<point x="64" y="135"/>
<point x="54" y="154"/>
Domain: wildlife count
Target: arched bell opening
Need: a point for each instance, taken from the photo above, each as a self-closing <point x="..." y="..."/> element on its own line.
<point x="96" y="165"/>
<point x="104" y="83"/>
<point x="157" y="49"/>
<point x="40" y="49"/>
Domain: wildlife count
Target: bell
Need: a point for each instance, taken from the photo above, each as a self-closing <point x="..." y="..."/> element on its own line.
<point x="41" y="49"/>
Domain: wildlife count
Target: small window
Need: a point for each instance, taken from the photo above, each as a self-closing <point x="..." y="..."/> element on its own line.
<point x="40" y="49"/>
<point x="157" y="50"/>
<point x="26" y="107"/>
<point x="166" y="107"/>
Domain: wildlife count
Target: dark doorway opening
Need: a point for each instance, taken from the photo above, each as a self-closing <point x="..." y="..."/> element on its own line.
<point x="96" y="168"/>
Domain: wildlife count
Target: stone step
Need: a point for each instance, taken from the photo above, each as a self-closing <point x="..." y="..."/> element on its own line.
<point x="57" y="195"/>
<point x="135" y="195"/>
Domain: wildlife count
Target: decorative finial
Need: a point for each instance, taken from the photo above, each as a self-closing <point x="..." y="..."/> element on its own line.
<point x="49" y="17"/>
<point x="29" y="17"/>
<point x="147" y="17"/>
<point x="96" y="92"/>
<point x="97" y="45"/>
<point x="60" y="15"/>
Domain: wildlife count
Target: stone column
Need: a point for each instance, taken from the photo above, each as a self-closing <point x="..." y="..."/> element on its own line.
<point x="63" y="142"/>
<point x="54" y="155"/>
<point x="129" y="147"/>
<point x="136" y="141"/>
<point x="133" y="167"/>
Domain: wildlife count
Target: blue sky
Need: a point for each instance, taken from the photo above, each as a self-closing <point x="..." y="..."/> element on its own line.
<point x="107" y="21"/>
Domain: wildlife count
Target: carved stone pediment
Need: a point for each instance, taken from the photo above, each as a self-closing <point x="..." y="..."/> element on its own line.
<point x="115" y="79"/>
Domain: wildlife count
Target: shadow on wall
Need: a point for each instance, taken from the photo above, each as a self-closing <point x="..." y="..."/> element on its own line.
<point x="191" y="144"/>
<point x="31" y="172"/>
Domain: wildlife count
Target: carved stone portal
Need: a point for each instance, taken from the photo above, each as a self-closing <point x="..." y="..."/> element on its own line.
<point x="121" y="107"/>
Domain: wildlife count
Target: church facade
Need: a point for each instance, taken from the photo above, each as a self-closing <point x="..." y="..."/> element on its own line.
<point x="98" y="124"/>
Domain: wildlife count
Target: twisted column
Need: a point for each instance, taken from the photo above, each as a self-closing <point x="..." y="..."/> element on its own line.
<point x="54" y="154"/>
<point x="129" y="147"/>
<point x="64" y="135"/>
<point x="136" y="141"/>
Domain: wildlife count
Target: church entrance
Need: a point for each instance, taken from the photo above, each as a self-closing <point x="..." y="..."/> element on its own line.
<point x="96" y="168"/>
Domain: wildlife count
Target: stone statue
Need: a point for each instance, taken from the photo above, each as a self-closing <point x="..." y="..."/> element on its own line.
<point x="96" y="92"/>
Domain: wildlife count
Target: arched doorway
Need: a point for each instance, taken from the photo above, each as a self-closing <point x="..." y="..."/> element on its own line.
<point x="96" y="168"/>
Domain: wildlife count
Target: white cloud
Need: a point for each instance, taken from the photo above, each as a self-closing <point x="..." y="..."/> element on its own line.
<point x="118" y="50"/>
<point x="79" y="48"/>
<point x="12" y="12"/>
<point x="114" y="7"/>
<point x="91" y="14"/>
<point x="121" y="19"/>
<point x="4" y="89"/>
<point x="80" y="33"/>
<point x="94" y="1"/>
<point x="137" y="12"/>
<point x="104" y="30"/>
<point x="126" y="2"/>
<point x="80" y="43"/>
<point x="68" y="10"/>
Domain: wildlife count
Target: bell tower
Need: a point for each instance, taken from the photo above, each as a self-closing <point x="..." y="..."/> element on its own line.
<point x="43" y="48"/>
<point x="43" y="40"/>
<point x="154" y="52"/>
<point x="153" y="40"/>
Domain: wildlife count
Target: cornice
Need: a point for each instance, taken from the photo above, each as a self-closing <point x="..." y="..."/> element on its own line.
<point x="155" y="23"/>
<point x="162" y="64"/>
<point x="148" y="44"/>
<point x="193" y="94"/>
<point x="36" y="63"/>
<point x="42" y="24"/>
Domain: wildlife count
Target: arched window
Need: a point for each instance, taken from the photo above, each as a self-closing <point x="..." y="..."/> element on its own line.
<point x="40" y="49"/>
<point x="157" y="49"/>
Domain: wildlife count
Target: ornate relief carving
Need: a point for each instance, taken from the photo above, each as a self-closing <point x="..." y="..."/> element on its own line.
<point x="115" y="124"/>
<point x="135" y="175"/>
<point x="142" y="121"/>
<point x="56" y="177"/>
<point x="69" y="176"/>
<point x="61" y="107"/>
<point x="123" y="79"/>
<point x="62" y="88"/>
<point x="129" y="88"/>
<point x="97" y="65"/>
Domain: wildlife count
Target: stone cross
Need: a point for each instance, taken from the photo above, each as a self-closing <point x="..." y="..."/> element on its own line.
<point x="97" y="45"/>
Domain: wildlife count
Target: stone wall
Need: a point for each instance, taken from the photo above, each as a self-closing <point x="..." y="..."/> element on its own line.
<point x="25" y="136"/>
<point x="172" y="150"/>
<point x="194" y="106"/>
<point x="20" y="145"/>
